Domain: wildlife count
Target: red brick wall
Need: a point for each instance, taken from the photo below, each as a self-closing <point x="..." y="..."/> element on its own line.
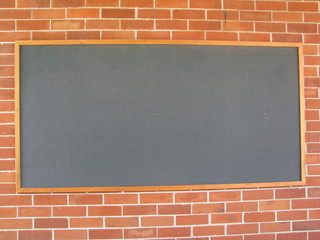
<point x="291" y="213"/>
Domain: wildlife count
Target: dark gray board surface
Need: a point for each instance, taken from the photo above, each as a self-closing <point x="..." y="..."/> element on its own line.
<point x="148" y="115"/>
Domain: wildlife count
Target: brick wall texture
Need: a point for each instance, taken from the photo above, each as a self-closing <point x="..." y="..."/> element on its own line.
<point x="290" y="213"/>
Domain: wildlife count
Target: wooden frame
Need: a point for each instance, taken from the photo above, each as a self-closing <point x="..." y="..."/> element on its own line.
<point x="155" y="188"/>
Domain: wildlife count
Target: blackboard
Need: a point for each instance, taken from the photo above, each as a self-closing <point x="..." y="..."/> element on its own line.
<point x="153" y="115"/>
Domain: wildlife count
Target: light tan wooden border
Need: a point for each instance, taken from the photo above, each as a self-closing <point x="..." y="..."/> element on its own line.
<point x="20" y="189"/>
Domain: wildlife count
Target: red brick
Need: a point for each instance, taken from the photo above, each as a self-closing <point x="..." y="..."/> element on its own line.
<point x="35" y="234"/>
<point x="67" y="24"/>
<point x="314" y="214"/>
<point x="105" y="234"/>
<point x="238" y="26"/>
<point x="70" y="234"/>
<point x="238" y="4"/>
<point x="224" y="196"/>
<point x="192" y="219"/>
<point x="313" y="126"/>
<point x="305" y="203"/>
<point x="6" y="142"/>
<point x="313" y="137"/>
<point x="121" y="198"/>
<point x="50" y="200"/>
<point x="271" y="5"/>
<point x="242" y="228"/>
<point x="50" y="223"/>
<point x="314" y="170"/>
<point x="34" y="211"/>
<point x="118" y="13"/>
<point x="102" y="3"/>
<point x="33" y="3"/>
<point x="122" y="222"/>
<point x="275" y="227"/>
<point x="292" y="236"/>
<point x="104" y="210"/>
<point x="301" y="28"/>
<point x="7" y="48"/>
<point x="242" y="207"/>
<point x="67" y="3"/>
<point x="48" y="35"/>
<point x="208" y="208"/>
<point x="291" y="215"/>
<point x="157" y="221"/>
<point x="69" y="211"/>
<point x="6" y="130"/>
<point x="305" y="225"/>
<point x="208" y="230"/>
<point x="222" y="15"/>
<point x="153" y="35"/>
<point x="6" y="59"/>
<point x="312" y="159"/>
<point x="312" y="17"/>
<point x="314" y="236"/>
<point x="313" y="181"/>
<point x="303" y="6"/>
<point x="171" y="4"/>
<point x="313" y="192"/>
<point x="174" y="209"/>
<point x="204" y="25"/>
<point x="8" y="212"/>
<point x="222" y="36"/>
<point x="291" y="193"/>
<point x="139" y="210"/>
<point x="313" y="147"/>
<point x="311" y="115"/>
<point x="7" y="4"/>
<point x="156" y="198"/>
<point x="7" y="177"/>
<point x="48" y="13"/>
<point x="226" y="218"/>
<point x="270" y="27"/>
<point x="83" y="13"/>
<point x="15" y="224"/>
<point x="227" y="238"/>
<point x="313" y="104"/>
<point x="188" y="14"/>
<point x="259" y="217"/>
<point x="7" y="25"/>
<point x="188" y="35"/>
<point x="8" y="235"/>
<point x="312" y="38"/>
<point x="7" y="188"/>
<point x="287" y="17"/>
<point x="260" y="237"/>
<point x="171" y="24"/>
<point x="311" y="60"/>
<point x="175" y="232"/>
<point x="254" y="37"/>
<point x="274" y="205"/>
<point x="137" y="24"/>
<point x="86" y="222"/>
<point x="191" y="197"/>
<point x="311" y="93"/>
<point x="310" y="50"/>
<point x="154" y="13"/>
<point x="205" y="4"/>
<point x="85" y="199"/>
<point x="74" y="35"/>
<point x="255" y="16"/>
<point x="287" y="37"/>
<point x="7" y="165"/>
<point x="15" y="14"/>
<point x="136" y="3"/>
<point x="6" y="71"/>
<point x="102" y="24"/>
<point x="6" y="153"/>
<point x="257" y="194"/>
<point x="140" y="233"/>
<point x="118" y="35"/>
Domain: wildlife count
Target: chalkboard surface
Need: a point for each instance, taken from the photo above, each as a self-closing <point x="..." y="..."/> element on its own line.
<point x="121" y="115"/>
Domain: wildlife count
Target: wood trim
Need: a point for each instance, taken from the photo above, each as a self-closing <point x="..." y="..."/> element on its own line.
<point x="20" y="189"/>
